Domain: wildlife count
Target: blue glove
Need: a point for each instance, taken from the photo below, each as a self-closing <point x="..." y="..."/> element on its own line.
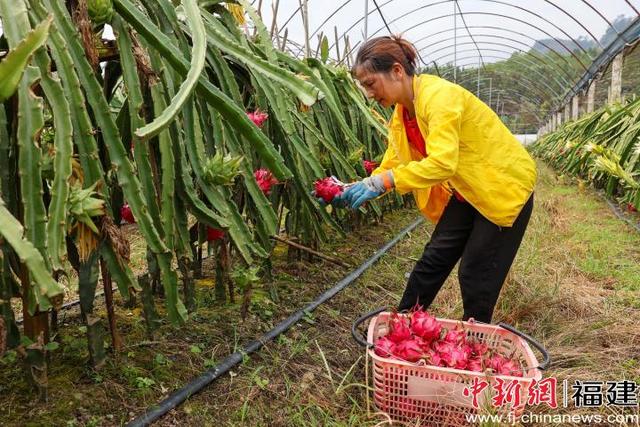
<point x="369" y="188"/>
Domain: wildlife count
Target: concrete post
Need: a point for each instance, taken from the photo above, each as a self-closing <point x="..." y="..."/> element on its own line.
<point x="575" y="108"/>
<point x="616" y="78"/>
<point x="567" y="112"/>
<point x="591" y="95"/>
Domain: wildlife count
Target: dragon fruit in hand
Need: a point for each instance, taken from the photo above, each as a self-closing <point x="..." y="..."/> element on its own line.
<point x="327" y="189"/>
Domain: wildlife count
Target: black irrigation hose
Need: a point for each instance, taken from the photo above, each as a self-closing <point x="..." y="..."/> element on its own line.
<point x="197" y="384"/>
<point x="70" y="304"/>
<point x="618" y="212"/>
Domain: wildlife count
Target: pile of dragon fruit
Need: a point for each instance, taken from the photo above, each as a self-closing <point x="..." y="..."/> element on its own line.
<point x="419" y="336"/>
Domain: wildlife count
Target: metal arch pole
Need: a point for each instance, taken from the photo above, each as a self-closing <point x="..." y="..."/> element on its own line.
<point x="542" y="60"/>
<point x="552" y="3"/>
<point x="549" y="92"/>
<point x="464" y="22"/>
<point x="510" y="31"/>
<point x="533" y="94"/>
<point x="540" y="83"/>
<point x="529" y="64"/>
<point x="444" y="16"/>
<point x="334" y="13"/>
<point x="602" y="16"/>
<point x="490" y="89"/>
<point x="475" y="13"/>
<point x="501" y="38"/>
<point x="366" y="20"/>
<point x="478" y="90"/>
<point x="295" y="12"/>
<point x="633" y="7"/>
<point x="522" y="61"/>
<point x="542" y="18"/>
<point x="455" y="43"/>
<point x="532" y="99"/>
<point x="513" y="19"/>
<point x="535" y="97"/>
<point x="512" y="100"/>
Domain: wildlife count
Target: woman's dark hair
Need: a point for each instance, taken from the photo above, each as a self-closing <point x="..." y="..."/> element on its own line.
<point x="379" y="54"/>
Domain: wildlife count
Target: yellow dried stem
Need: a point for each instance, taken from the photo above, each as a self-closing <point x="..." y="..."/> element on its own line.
<point x="238" y="13"/>
<point x="86" y="241"/>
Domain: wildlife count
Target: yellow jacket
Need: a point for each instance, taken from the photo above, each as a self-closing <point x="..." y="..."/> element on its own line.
<point x="468" y="148"/>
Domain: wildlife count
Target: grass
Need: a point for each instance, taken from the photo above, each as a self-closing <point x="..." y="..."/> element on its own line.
<point x="573" y="286"/>
<point x="592" y="240"/>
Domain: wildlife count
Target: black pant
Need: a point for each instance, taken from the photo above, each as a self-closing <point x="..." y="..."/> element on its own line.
<point x="487" y="252"/>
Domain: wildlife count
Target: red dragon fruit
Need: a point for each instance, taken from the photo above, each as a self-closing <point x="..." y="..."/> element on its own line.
<point x="214" y="234"/>
<point x="369" y="166"/>
<point x="452" y="355"/>
<point x="425" y="326"/>
<point x="327" y="189"/>
<point x="399" y="329"/>
<point x="265" y="180"/>
<point x="258" y="117"/>
<point x="474" y="364"/>
<point x="478" y="349"/>
<point x="433" y="357"/>
<point x="409" y="350"/>
<point x="384" y="347"/>
<point x="503" y="365"/>
<point x="126" y="214"/>
<point x="456" y="336"/>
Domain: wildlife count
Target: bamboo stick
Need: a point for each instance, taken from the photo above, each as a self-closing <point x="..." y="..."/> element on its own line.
<point x="311" y="251"/>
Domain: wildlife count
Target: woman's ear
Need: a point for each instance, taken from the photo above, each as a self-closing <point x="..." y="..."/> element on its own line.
<point x="397" y="70"/>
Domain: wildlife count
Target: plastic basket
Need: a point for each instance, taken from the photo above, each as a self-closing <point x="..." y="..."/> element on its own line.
<point x="429" y="395"/>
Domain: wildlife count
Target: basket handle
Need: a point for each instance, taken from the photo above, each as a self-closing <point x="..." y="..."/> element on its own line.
<point x="354" y="328"/>
<point x="547" y="359"/>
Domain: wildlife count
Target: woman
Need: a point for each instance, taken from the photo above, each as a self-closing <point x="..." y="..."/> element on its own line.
<point x="467" y="172"/>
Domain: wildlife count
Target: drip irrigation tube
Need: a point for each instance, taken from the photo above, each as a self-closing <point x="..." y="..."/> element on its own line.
<point x="70" y="304"/>
<point x="197" y="384"/>
<point x="618" y="212"/>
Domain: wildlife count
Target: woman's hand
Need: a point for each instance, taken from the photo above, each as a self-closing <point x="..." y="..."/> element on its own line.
<point x="369" y="188"/>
